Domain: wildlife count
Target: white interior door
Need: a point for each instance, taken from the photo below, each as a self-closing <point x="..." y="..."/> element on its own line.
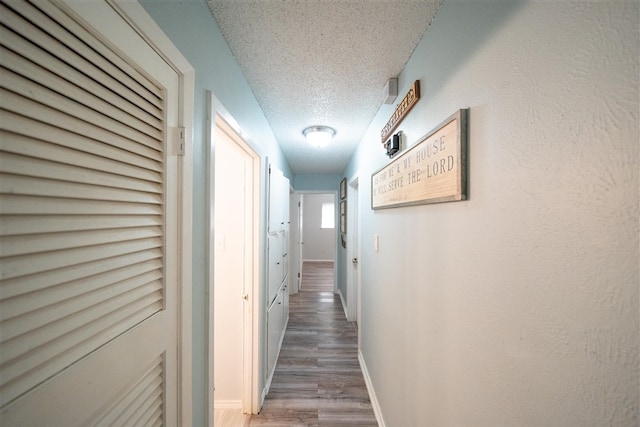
<point x="300" y="245"/>
<point x="229" y="271"/>
<point x="234" y="271"/>
<point x="293" y="244"/>
<point x="89" y="220"/>
<point x="353" y="251"/>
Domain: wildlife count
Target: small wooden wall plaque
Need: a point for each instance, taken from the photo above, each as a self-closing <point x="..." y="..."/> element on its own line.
<point x="410" y="99"/>
<point x="432" y="171"/>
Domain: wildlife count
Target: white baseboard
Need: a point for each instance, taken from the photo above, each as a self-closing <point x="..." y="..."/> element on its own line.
<point x="227" y="404"/>
<point x="372" y="393"/>
<point x="264" y="393"/>
<point x="317" y="260"/>
<point x="344" y="306"/>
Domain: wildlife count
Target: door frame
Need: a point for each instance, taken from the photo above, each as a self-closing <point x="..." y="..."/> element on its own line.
<point x="138" y="18"/>
<point x="294" y="247"/>
<point x="299" y="238"/>
<point x="353" y="251"/>
<point x="251" y="364"/>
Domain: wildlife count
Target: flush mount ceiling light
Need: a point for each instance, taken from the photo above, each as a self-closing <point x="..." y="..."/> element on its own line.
<point x="318" y="136"/>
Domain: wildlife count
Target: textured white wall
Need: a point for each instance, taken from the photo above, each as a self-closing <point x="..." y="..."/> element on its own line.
<point x="518" y="307"/>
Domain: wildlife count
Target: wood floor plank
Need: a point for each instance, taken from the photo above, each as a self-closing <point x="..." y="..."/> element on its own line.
<point x="230" y="418"/>
<point x="317" y="380"/>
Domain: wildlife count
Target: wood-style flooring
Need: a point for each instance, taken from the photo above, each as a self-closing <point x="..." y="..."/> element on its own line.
<point x="317" y="381"/>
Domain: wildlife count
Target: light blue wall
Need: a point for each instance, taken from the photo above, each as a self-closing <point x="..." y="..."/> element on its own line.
<point x="520" y="305"/>
<point x="193" y="30"/>
<point x="316" y="182"/>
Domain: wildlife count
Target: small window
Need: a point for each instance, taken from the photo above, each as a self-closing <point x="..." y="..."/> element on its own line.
<point x="328" y="216"/>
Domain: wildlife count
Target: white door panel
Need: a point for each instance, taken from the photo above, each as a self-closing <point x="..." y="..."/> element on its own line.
<point x="88" y="225"/>
<point x="275" y="325"/>
<point x="232" y="272"/>
<point x="275" y="267"/>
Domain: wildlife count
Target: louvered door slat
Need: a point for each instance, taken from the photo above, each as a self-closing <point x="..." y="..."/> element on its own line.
<point x="11" y="246"/>
<point x="25" y="185"/>
<point x="152" y="414"/>
<point x="135" y="79"/>
<point x="35" y="263"/>
<point x="49" y="280"/>
<point x="137" y="401"/>
<point x="14" y="224"/>
<point x="24" y="302"/>
<point x="134" y="154"/>
<point x="38" y="149"/>
<point x="53" y="357"/>
<point x="61" y="69"/>
<point x="86" y="96"/>
<point x="37" y="168"/>
<point x="24" y="87"/>
<point x="104" y="319"/>
<point x="104" y="57"/>
<point x="142" y="399"/>
<point x="95" y="319"/>
<point x="155" y="418"/>
<point x="144" y="406"/>
<point x="24" y="205"/>
<point x="52" y="311"/>
<point x="66" y="44"/>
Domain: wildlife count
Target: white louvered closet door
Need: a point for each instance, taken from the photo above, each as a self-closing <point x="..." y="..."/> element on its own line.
<point x="88" y="220"/>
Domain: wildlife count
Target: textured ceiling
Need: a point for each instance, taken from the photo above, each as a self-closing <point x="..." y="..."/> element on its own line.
<point x="322" y="62"/>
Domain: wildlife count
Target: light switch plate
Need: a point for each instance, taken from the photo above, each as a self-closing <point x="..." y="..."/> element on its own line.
<point x="220" y="243"/>
<point x="376" y="242"/>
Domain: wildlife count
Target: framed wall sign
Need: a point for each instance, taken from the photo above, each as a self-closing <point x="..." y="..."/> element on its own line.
<point x="434" y="170"/>
<point x="343" y="188"/>
<point x="343" y="217"/>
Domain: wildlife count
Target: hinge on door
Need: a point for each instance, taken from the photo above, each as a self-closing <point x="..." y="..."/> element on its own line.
<point x="181" y="141"/>
<point x="298" y="275"/>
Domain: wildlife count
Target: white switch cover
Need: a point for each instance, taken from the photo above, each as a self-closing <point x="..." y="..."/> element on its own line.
<point x="376" y="242"/>
<point x="220" y="243"/>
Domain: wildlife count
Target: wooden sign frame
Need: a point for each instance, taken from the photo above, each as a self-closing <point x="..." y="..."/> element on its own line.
<point x="410" y="99"/>
<point x="434" y="170"/>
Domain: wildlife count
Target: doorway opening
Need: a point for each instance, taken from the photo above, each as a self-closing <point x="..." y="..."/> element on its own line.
<point x="315" y="234"/>
<point x="234" y="269"/>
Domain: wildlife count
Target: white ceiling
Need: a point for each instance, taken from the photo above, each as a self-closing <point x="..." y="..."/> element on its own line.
<point x="322" y="62"/>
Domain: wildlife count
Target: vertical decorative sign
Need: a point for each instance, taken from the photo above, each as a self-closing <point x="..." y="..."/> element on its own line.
<point x="343" y="217"/>
<point x="410" y="99"/>
<point x="432" y="171"/>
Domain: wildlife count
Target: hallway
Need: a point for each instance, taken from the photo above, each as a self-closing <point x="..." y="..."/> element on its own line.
<point x="317" y="381"/>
